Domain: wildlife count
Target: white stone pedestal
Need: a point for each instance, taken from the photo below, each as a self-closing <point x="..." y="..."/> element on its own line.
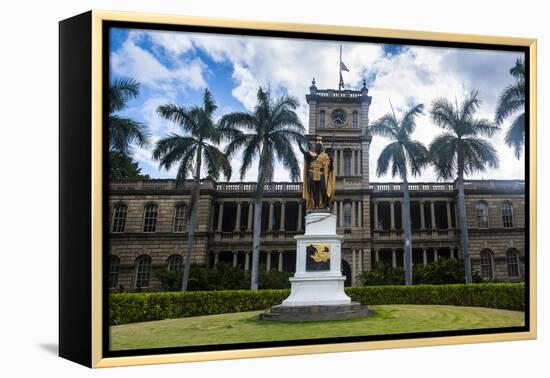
<point x="318" y="287"/>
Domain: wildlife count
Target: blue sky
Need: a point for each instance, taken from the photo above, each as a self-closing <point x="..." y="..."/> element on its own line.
<point x="176" y="67"/>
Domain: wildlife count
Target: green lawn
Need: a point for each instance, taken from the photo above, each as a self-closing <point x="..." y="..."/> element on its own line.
<point x="245" y="327"/>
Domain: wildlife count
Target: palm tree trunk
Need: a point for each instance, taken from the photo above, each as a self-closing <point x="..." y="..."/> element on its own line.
<point x="464" y="230"/>
<point x="256" y="233"/>
<point x="463" y="221"/>
<point x="193" y="220"/>
<point x="406" y="215"/>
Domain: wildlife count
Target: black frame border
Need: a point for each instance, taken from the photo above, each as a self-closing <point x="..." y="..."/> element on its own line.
<point x="106" y="25"/>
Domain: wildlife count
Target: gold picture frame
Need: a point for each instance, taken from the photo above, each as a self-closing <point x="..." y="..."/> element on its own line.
<point x="91" y="328"/>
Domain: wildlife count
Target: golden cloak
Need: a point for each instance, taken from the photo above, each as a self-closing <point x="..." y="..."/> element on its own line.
<point x="322" y="161"/>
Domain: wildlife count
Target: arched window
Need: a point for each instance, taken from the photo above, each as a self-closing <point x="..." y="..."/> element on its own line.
<point x="507" y="215"/>
<point x="512" y="260"/>
<point x="322" y="119"/>
<point x="150" y="218"/>
<point x="482" y="214"/>
<point x="347" y="215"/>
<point x="347" y="163"/>
<point x="355" y="120"/>
<point x="119" y="218"/>
<point x="487" y="264"/>
<point x="114" y="265"/>
<point x="179" y="218"/>
<point x="174" y="263"/>
<point x="143" y="271"/>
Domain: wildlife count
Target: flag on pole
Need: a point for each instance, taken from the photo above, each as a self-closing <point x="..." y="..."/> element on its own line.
<point x="342" y="68"/>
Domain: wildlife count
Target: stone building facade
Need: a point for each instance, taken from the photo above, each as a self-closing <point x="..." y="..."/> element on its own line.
<point x="148" y="217"/>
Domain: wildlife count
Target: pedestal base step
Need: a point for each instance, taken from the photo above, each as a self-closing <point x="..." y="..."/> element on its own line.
<point x="315" y="313"/>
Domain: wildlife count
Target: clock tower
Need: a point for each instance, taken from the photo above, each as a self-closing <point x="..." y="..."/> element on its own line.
<point x="341" y="117"/>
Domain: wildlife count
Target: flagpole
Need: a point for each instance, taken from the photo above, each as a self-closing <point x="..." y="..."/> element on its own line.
<point x="340" y="70"/>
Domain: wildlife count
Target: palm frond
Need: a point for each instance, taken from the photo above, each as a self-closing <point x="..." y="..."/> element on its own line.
<point x="170" y="149"/>
<point x="511" y="100"/>
<point x="483" y="127"/>
<point x="444" y="114"/>
<point x="442" y="154"/>
<point x="121" y="90"/>
<point x="216" y="161"/>
<point x="515" y="135"/>
<point x="417" y="156"/>
<point x="386" y="126"/>
<point x="125" y="131"/>
<point x="478" y="155"/>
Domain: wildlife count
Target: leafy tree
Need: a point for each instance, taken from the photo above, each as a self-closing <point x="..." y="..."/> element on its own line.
<point x="123" y="166"/>
<point x="512" y="100"/>
<point x="190" y="151"/>
<point x="267" y="133"/>
<point x="460" y="151"/>
<point x="403" y="155"/>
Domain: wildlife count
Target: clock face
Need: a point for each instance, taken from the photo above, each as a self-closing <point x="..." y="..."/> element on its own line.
<point x="338" y="117"/>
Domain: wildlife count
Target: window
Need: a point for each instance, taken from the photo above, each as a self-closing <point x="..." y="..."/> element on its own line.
<point x="487" y="264"/>
<point x="482" y="215"/>
<point x="114" y="264"/>
<point x="174" y="263"/>
<point x="143" y="271"/>
<point x="179" y="218"/>
<point x="119" y="218"/>
<point x="347" y="163"/>
<point x="322" y="119"/>
<point x="150" y="218"/>
<point x="347" y="215"/>
<point x="355" y="120"/>
<point x="507" y="215"/>
<point x="512" y="261"/>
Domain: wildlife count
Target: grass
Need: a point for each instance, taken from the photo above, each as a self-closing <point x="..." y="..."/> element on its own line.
<point x="245" y="327"/>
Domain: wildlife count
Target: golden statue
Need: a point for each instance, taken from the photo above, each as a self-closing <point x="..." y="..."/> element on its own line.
<point x="319" y="177"/>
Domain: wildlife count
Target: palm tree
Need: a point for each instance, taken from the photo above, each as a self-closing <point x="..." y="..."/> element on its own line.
<point x="124" y="131"/>
<point x="191" y="151"/>
<point x="460" y="151"/>
<point x="512" y="100"/>
<point x="267" y="133"/>
<point x="404" y="155"/>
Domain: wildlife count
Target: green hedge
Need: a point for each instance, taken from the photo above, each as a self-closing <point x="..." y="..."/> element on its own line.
<point x="140" y="307"/>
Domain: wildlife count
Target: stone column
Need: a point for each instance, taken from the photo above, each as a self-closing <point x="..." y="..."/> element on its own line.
<point x="235" y="259"/>
<point x="341" y="214"/>
<point x="436" y="254"/>
<point x="432" y="211"/>
<point x="452" y="253"/>
<point x="341" y="162"/>
<point x="422" y="216"/>
<point x="280" y="262"/>
<point x="250" y="216"/>
<point x="283" y="210"/>
<point x="424" y="256"/>
<point x="352" y="163"/>
<point x="376" y="256"/>
<point x="360" y="251"/>
<point x="353" y="223"/>
<point x="300" y="216"/>
<point x="449" y="224"/>
<point x="392" y="215"/>
<point x="359" y="213"/>
<point x="375" y="215"/>
<point x="268" y="262"/>
<point x="216" y="257"/>
<point x="246" y="260"/>
<point x="393" y="258"/>
<point x="270" y="222"/>
<point x="336" y="161"/>
<point x="220" y="216"/>
<point x="238" y="220"/>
